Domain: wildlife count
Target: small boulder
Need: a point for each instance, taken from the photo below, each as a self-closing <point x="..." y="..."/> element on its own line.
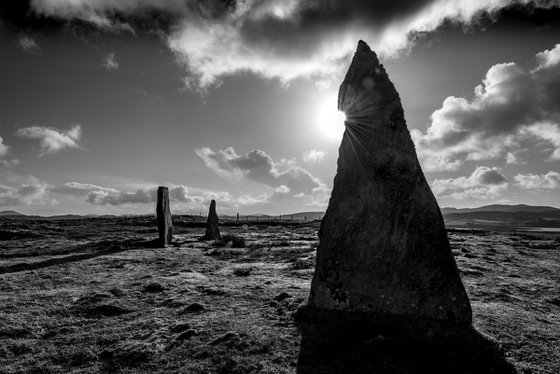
<point x="282" y="296"/>
<point x="193" y="308"/>
<point x="154" y="287"/>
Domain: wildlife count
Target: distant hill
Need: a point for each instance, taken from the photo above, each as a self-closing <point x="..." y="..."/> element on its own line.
<point x="503" y="215"/>
<point x="310" y="216"/>
<point x="10" y="213"/>
<point x="520" y="215"/>
<point x="14" y="214"/>
<point x="301" y="216"/>
<point x="502" y="208"/>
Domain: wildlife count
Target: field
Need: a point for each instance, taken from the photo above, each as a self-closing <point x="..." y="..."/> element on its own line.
<point x="96" y="295"/>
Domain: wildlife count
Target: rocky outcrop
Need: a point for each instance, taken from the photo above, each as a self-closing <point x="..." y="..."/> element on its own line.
<point x="212" y="224"/>
<point x="383" y="245"/>
<point x="164" y="223"/>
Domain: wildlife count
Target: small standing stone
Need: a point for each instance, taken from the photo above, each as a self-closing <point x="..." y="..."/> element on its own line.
<point x="212" y="225"/>
<point x="165" y="225"/>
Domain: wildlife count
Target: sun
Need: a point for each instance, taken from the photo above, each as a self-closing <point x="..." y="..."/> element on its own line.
<point x="330" y="121"/>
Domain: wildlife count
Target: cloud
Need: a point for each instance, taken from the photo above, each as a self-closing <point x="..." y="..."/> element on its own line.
<point x="28" y="43"/>
<point x="282" y="189"/>
<point x="259" y="167"/>
<point x="314" y="156"/>
<point x="103" y="197"/>
<point x="21" y="190"/>
<point x="545" y="131"/>
<point x="181" y="197"/>
<point x="514" y="107"/>
<point x="307" y="39"/>
<point x="53" y="140"/>
<point x="110" y="62"/>
<point x="3" y="148"/>
<point x="283" y="40"/>
<point x="548" y="181"/>
<point x="483" y="183"/>
<point x="79" y="189"/>
<point x="284" y="178"/>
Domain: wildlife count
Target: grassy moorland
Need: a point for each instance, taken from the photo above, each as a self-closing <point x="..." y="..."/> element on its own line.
<point x="96" y="295"/>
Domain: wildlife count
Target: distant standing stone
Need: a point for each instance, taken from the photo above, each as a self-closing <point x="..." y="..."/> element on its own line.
<point x="165" y="225"/>
<point x="383" y="245"/>
<point x="212" y="224"/>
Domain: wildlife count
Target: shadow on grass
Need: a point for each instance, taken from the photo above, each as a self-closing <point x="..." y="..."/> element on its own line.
<point x="91" y="250"/>
<point x="335" y="344"/>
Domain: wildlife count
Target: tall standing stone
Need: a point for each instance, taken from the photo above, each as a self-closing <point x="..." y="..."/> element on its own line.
<point x="383" y="245"/>
<point x="165" y="225"/>
<point x="212" y="224"/>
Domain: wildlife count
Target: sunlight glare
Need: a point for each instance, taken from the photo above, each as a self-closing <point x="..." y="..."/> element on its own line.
<point x="330" y="121"/>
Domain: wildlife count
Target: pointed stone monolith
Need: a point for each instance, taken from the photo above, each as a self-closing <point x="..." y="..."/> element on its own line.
<point x="212" y="224"/>
<point x="383" y="245"/>
<point x="164" y="223"/>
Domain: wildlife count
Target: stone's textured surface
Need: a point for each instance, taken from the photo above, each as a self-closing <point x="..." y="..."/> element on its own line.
<point x="165" y="225"/>
<point x="383" y="244"/>
<point x="212" y="226"/>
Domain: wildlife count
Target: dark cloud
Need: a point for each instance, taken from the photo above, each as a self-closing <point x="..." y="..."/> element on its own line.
<point x="285" y="40"/>
<point x="491" y="177"/>
<point x="19" y="15"/>
<point x="310" y="21"/>
<point x="276" y="39"/>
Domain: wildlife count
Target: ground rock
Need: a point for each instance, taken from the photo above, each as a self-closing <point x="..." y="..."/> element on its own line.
<point x="383" y="244"/>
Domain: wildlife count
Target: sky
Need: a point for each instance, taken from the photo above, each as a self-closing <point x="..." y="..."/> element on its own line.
<point x="102" y="101"/>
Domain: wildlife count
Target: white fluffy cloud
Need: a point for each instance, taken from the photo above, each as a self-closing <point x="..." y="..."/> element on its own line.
<point x="313" y="156"/>
<point x="513" y="108"/>
<point x="27" y="43"/>
<point x="284" y="40"/>
<point x="483" y="183"/>
<point x="110" y="62"/>
<point x="548" y="181"/>
<point x="21" y="190"/>
<point x="283" y="189"/>
<point x="53" y="140"/>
